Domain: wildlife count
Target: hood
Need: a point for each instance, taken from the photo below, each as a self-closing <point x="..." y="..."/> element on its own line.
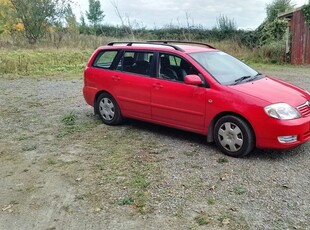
<point x="273" y="91"/>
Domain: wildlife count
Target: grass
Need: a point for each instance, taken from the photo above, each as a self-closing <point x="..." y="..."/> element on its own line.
<point x="126" y="201"/>
<point x="202" y="219"/>
<point x="211" y="201"/>
<point x="232" y="221"/>
<point x="43" y="62"/>
<point x="69" y="119"/>
<point x="239" y="190"/>
<point x="29" y="147"/>
<point x="222" y="160"/>
<point x="129" y="165"/>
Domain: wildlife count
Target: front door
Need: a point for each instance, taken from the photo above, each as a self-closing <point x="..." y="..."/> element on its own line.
<point x="175" y="103"/>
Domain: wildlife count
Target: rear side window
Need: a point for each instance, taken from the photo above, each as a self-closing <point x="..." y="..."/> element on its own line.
<point x="137" y="62"/>
<point x="105" y="59"/>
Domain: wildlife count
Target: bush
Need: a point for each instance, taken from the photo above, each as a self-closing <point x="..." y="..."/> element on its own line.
<point x="273" y="52"/>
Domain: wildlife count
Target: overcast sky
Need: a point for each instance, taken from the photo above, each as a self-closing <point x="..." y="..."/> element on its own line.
<point x="247" y="14"/>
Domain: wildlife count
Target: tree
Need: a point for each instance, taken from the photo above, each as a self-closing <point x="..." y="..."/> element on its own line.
<point x="273" y="29"/>
<point x="37" y="15"/>
<point x="95" y="14"/>
<point x="225" y="24"/>
<point x="276" y="7"/>
<point x="71" y="22"/>
<point x="225" y="28"/>
<point x="8" y="20"/>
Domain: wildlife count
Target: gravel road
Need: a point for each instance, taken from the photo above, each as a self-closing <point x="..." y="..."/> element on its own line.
<point x="61" y="168"/>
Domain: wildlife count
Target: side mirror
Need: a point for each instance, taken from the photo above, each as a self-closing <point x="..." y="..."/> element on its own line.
<point x="192" y="79"/>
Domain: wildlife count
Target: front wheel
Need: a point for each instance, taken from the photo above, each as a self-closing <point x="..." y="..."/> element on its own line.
<point x="234" y="136"/>
<point x="108" y="109"/>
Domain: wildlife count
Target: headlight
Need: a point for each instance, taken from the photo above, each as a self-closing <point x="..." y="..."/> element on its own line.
<point x="282" y="111"/>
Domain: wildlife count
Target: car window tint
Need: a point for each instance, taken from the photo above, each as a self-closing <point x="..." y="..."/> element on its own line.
<point x="174" y="68"/>
<point x="136" y="62"/>
<point x="105" y="59"/>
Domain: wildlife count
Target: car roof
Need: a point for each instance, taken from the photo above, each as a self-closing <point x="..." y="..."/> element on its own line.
<point x="185" y="47"/>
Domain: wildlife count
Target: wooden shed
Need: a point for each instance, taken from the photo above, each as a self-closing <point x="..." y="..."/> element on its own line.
<point x="299" y="45"/>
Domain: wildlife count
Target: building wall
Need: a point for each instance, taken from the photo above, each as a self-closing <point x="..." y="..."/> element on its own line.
<point x="300" y="52"/>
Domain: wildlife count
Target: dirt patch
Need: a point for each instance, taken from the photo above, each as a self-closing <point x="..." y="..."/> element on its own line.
<point x="61" y="168"/>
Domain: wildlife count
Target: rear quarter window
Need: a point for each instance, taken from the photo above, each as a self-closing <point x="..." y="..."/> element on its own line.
<point x="105" y="59"/>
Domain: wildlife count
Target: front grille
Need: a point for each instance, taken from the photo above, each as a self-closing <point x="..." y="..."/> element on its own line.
<point x="304" y="109"/>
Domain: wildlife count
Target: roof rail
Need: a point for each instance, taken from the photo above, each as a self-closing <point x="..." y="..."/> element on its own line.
<point x="147" y="43"/>
<point x="184" y="42"/>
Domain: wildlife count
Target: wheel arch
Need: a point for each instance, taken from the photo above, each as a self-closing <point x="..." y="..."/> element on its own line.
<point x="210" y="137"/>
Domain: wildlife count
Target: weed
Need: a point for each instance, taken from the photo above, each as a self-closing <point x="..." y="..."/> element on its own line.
<point x="66" y="208"/>
<point x="67" y="130"/>
<point x="179" y="212"/>
<point x="126" y="201"/>
<point x="69" y="119"/>
<point x="52" y="161"/>
<point x="202" y="219"/>
<point x="14" y="202"/>
<point x="222" y="160"/>
<point x="211" y="201"/>
<point x="189" y="153"/>
<point x="23" y="137"/>
<point x="30" y="147"/>
<point x="233" y="221"/>
<point x="139" y="181"/>
<point x="239" y="190"/>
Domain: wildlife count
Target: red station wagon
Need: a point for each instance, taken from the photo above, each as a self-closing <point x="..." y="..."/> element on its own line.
<point x="195" y="87"/>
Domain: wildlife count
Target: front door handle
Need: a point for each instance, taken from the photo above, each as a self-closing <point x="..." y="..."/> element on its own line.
<point x="157" y="86"/>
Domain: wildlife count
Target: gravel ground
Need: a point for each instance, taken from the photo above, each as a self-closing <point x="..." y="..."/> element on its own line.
<point x="61" y="168"/>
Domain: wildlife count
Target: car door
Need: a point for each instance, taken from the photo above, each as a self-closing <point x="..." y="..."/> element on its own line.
<point x="173" y="102"/>
<point x="131" y="84"/>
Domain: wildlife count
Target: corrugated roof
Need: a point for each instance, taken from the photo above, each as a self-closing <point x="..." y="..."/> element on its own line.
<point x="288" y="14"/>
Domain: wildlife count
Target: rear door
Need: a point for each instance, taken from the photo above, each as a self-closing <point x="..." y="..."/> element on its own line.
<point x="131" y="84"/>
<point x="174" y="102"/>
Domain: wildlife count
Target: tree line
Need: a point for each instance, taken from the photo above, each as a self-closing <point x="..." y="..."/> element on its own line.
<point x="36" y="19"/>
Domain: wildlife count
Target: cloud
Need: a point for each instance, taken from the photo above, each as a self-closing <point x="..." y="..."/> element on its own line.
<point x="245" y="13"/>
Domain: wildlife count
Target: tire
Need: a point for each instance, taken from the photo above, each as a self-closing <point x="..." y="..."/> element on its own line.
<point x="108" y="109"/>
<point x="234" y="136"/>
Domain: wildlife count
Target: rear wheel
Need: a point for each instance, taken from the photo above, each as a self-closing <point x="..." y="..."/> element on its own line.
<point x="108" y="109"/>
<point x="234" y="136"/>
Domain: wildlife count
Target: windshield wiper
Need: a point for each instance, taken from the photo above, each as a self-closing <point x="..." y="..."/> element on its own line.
<point x="237" y="81"/>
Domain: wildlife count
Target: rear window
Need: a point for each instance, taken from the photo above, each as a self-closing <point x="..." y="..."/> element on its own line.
<point x="105" y="59"/>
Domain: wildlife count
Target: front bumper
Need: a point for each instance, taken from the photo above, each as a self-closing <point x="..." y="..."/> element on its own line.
<point x="267" y="134"/>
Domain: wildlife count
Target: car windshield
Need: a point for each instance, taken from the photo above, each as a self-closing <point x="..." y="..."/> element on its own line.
<point x="226" y="69"/>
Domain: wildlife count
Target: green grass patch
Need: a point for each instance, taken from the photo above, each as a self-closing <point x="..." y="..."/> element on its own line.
<point x="43" y="62"/>
<point x="239" y="190"/>
<point x="222" y="160"/>
<point x="69" y="119"/>
<point x="202" y="219"/>
<point x="29" y="147"/>
<point x="126" y="201"/>
<point x="211" y="201"/>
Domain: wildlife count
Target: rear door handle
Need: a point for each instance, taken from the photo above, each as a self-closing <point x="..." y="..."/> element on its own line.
<point x="158" y="86"/>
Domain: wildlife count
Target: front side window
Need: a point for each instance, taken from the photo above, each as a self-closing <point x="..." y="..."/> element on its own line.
<point x="136" y="62"/>
<point x="105" y="59"/>
<point x="226" y="69"/>
<point x="174" y="68"/>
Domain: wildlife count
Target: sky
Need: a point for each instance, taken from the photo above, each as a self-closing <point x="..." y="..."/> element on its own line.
<point x="246" y="14"/>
